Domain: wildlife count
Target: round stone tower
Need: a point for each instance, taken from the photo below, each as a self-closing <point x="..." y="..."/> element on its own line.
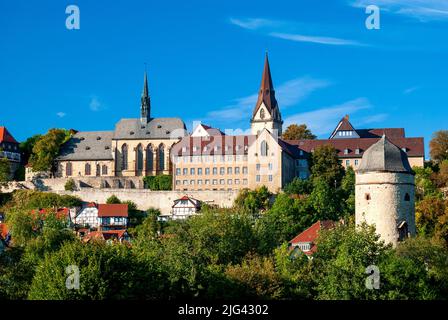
<point x="385" y="192"/>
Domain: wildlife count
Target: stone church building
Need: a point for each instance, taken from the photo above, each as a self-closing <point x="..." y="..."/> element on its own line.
<point x="136" y="148"/>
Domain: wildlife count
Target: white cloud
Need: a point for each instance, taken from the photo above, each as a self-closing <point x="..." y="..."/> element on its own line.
<point x="315" y="39"/>
<point x="373" y="119"/>
<point x="252" y="23"/>
<point x="61" y="114"/>
<point x="288" y="94"/>
<point x="410" y="90"/>
<point x="95" y="104"/>
<point x="423" y="10"/>
<point x="324" y="120"/>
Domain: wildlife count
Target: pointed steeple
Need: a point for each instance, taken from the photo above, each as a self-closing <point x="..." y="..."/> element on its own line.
<point x="267" y="92"/>
<point x="269" y="117"/>
<point x="145" y="108"/>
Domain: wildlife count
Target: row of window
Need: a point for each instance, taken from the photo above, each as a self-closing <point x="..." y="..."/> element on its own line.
<point x="140" y="155"/>
<point x="210" y="159"/>
<point x="214" y="171"/>
<point x="100" y="170"/>
<point x="212" y="182"/>
<point x="220" y="181"/>
<point x="222" y="170"/>
<point x="348" y="163"/>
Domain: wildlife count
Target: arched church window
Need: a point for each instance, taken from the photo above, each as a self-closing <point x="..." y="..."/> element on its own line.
<point x="87" y="169"/>
<point x="262" y="114"/>
<point x="264" y="148"/>
<point x="139" y="157"/>
<point x="68" y="169"/>
<point x="161" y="157"/>
<point x="124" y="157"/>
<point x="407" y="197"/>
<point x="98" y="170"/>
<point x="149" y="158"/>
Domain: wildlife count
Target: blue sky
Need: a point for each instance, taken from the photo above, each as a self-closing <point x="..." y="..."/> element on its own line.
<point x="205" y="60"/>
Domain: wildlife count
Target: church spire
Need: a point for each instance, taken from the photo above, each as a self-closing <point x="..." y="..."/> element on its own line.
<point x="145" y="109"/>
<point x="266" y="110"/>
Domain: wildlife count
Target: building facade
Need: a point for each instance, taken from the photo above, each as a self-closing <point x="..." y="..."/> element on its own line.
<point x="385" y="192"/>
<point x="9" y="149"/>
<point x="137" y="147"/>
<point x="208" y="159"/>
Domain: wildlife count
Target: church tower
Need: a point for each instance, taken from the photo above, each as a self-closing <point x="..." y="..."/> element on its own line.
<point x="266" y="114"/>
<point x="145" y="108"/>
<point x="385" y="191"/>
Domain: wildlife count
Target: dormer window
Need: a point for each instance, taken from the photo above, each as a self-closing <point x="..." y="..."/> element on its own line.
<point x="148" y="132"/>
<point x="98" y="138"/>
<point x="346" y="151"/>
<point x="404" y="149"/>
<point x="358" y="151"/>
<point x="87" y="148"/>
<point x="131" y="133"/>
<point x="301" y="152"/>
<point x="159" y="126"/>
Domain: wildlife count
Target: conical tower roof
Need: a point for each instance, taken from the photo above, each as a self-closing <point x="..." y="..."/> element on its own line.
<point x="384" y="156"/>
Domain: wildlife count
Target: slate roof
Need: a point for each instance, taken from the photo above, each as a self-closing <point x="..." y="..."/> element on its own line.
<point x="88" y="145"/>
<point x="156" y="128"/>
<point x="266" y="94"/>
<point x="384" y="156"/>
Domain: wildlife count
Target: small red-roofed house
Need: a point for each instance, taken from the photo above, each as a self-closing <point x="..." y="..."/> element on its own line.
<point x="305" y="241"/>
<point x="183" y="208"/>
<point x="103" y="216"/>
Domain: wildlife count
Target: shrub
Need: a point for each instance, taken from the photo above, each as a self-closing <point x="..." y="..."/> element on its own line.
<point x="156" y="183"/>
<point x="70" y="185"/>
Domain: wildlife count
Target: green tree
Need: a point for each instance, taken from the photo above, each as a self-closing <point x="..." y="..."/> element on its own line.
<point x="46" y="149"/>
<point x="286" y="218"/>
<point x="5" y="171"/>
<point x="113" y="199"/>
<point x="298" y="132"/>
<point x="325" y="201"/>
<point x="348" y="191"/>
<point x="70" y="185"/>
<point x="299" y="186"/>
<point x="439" y="146"/>
<point x="424" y="184"/>
<point x="339" y="265"/>
<point x="325" y="165"/>
<point x="257" y="278"/>
<point x="432" y="217"/>
<point x="253" y="201"/>
<point x="26" y="147"/>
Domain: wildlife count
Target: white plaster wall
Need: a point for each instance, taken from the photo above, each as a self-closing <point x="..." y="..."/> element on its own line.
<point x="387" y="206"/>
<point x="162" y="200"/>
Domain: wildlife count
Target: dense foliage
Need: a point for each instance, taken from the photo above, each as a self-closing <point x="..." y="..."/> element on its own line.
<point x="159" y="182"/>
<point x="298" y="132"/>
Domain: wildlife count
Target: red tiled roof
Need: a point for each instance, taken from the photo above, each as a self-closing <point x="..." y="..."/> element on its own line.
<point x="113" y="210"/>
<point x="414" y="146"/>
<point x="310" y="234"/>
<point x="3" y="230"/>
<point x="5" y="136"/>
<point x="91" y="205"/>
